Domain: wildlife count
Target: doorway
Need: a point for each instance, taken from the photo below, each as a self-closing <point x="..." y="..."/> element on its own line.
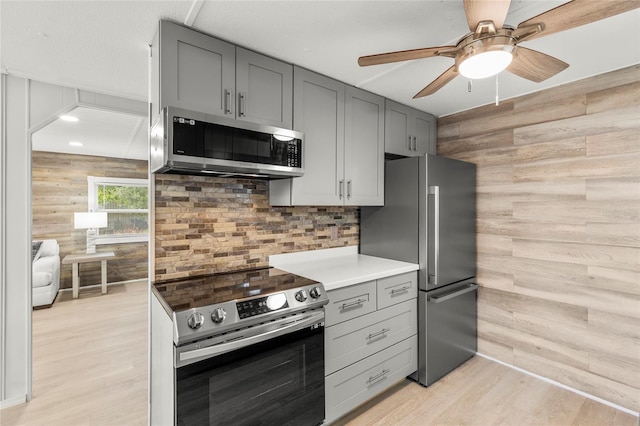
<point x="91" y="159"/>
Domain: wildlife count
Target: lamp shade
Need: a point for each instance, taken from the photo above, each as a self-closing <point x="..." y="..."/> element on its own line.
<point x="89" y="220"/>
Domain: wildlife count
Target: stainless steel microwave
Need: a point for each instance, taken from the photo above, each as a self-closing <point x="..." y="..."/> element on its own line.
<point x="189" y="142"/>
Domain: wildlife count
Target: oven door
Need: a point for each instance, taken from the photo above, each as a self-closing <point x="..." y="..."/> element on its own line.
<point x="270" y="374"/>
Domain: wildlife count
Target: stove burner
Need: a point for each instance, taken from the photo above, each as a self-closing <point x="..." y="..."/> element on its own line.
<point x="207" y="305"/>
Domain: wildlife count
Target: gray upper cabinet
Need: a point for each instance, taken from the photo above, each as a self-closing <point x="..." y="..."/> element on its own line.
<point x="264" y="89"/>
<point x="409" y="132"/>
<point x="197" y="72"/>
<point x="344" y="145"/>
<point x="364" y="148"/>
<point x="201" y="73"/>
<point x="319" y="113"/>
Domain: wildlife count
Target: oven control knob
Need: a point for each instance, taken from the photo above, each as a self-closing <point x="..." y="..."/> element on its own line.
<point x="301" y="296"/>
<point x="218" y="315"/>
<point x="315" y="292"/>
<point x="195" y="320"/>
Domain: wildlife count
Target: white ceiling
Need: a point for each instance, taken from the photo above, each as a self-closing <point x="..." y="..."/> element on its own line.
<point x="102" y="133"/>
<point x="102" y="45"/>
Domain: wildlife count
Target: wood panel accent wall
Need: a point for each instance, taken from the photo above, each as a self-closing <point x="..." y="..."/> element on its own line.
<point x="206" y="225"/>
<point x="559" y="231"/>
<point x="59" y="188"/>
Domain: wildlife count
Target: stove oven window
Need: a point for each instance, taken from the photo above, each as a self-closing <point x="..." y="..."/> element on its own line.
<point x="276" y="382"/>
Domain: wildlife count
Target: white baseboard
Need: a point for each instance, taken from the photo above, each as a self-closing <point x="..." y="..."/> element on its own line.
<point x="108" y="284"/>
<point x="563" y="386"/>
<point x="13" y="401"/>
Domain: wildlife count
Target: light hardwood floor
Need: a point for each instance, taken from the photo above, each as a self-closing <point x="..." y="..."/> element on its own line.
<point x="90" y="368"/>
<point x="482" y="392"/>
<point x="89" y="360"/>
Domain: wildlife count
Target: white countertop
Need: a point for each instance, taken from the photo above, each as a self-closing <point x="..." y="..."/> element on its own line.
<point x="339" y="267"/>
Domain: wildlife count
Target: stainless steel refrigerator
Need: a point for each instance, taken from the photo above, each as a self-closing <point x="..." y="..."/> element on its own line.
<point x="429" y="218"/>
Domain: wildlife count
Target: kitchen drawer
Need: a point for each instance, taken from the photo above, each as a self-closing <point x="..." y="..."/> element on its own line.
<point x="396" y="289"/>
<point x="347" y="388"/>
<point x="350" y="302"/>
<point x="351" y="341"/>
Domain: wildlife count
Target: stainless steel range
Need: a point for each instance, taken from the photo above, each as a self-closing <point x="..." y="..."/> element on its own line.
<point x="248" y="347"/>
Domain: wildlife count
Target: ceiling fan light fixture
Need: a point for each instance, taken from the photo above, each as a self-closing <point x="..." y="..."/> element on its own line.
<point x="485" y="64"/>
<point x="485" y="56"/>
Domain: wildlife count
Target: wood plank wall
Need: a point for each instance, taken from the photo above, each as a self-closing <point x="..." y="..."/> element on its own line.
<point x="559" y="230"/>
<point x="59" y="188"/>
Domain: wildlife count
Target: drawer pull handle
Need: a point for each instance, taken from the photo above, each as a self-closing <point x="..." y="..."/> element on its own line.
<point x="400" y="290"/>
<point x="352" y="304"/>
<point x="378" y="376"/>
<point x="382" y="332"/>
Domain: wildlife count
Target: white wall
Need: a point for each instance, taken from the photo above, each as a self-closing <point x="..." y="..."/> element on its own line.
<point x="16" y="190"/>
<point x="26" y="107"/>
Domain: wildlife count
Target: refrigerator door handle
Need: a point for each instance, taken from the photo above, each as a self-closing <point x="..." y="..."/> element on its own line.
<point x="449" y="296"/>
<point x="435" y="191"/>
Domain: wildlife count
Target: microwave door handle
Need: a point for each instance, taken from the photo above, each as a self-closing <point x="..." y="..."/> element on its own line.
<point x="435" y="191"/>
<point x="288" y="326"/>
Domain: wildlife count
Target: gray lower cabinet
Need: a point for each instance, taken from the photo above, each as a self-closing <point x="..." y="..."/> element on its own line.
<point x="396" y="289"/>
<point x="353" y="385"/>
<point x="408" y="132"/>
<point x="351" y="341"/>
<point x="370" y="340"/>
<point x="197" y="72"/>
<point x="350" y="302"/>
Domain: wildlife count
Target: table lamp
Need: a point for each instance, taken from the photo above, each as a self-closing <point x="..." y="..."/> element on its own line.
<point x="90" y="221"/>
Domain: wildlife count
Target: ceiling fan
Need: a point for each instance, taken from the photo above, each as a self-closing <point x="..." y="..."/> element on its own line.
<point x="492" y="46"/>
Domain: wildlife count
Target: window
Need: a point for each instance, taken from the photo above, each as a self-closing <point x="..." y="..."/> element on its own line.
<point x="126" y="202"/>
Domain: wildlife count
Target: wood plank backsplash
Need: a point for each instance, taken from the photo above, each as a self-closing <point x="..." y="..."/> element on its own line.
<point x="559" y="230"/>
<point x="59" y="188"/>
<point x="207" y="225"/>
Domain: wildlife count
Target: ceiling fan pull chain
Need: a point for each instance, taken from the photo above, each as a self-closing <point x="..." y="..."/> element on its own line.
<point x="497" y="99"/>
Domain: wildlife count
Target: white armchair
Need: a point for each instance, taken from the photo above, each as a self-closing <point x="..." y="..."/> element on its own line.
<point x="45" y="279"/>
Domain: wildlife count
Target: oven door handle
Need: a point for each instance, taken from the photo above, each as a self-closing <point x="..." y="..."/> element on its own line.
<point x="287" y="325"/>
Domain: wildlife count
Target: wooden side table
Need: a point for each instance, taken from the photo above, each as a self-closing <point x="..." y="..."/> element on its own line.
<point x="76" y="259"/>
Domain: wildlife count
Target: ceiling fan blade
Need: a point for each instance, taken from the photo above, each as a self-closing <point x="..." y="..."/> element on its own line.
<point x="535" y="66"/>
<point x="486" y="10"/>
<point x="401" y="55"/>
<point x="438" y="83"/>
<point x="577" y="13"/>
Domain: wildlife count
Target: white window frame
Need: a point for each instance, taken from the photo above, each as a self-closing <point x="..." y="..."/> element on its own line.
<point x="93" y="183"/>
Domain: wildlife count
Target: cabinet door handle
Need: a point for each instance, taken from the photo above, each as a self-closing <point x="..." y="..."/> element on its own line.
<point x="341" y="189"/>
<point x="409" y="144"/>
<point x="241" y="104"/>
<point x="382" y="332"/>
<point x="227" y="101"/>
<point x="378" y="376"/>
<point x="352" y="304"/>
<point x="349" y="189"/>
<point x="415" y="144"/>
<point x="400" y="290"/>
